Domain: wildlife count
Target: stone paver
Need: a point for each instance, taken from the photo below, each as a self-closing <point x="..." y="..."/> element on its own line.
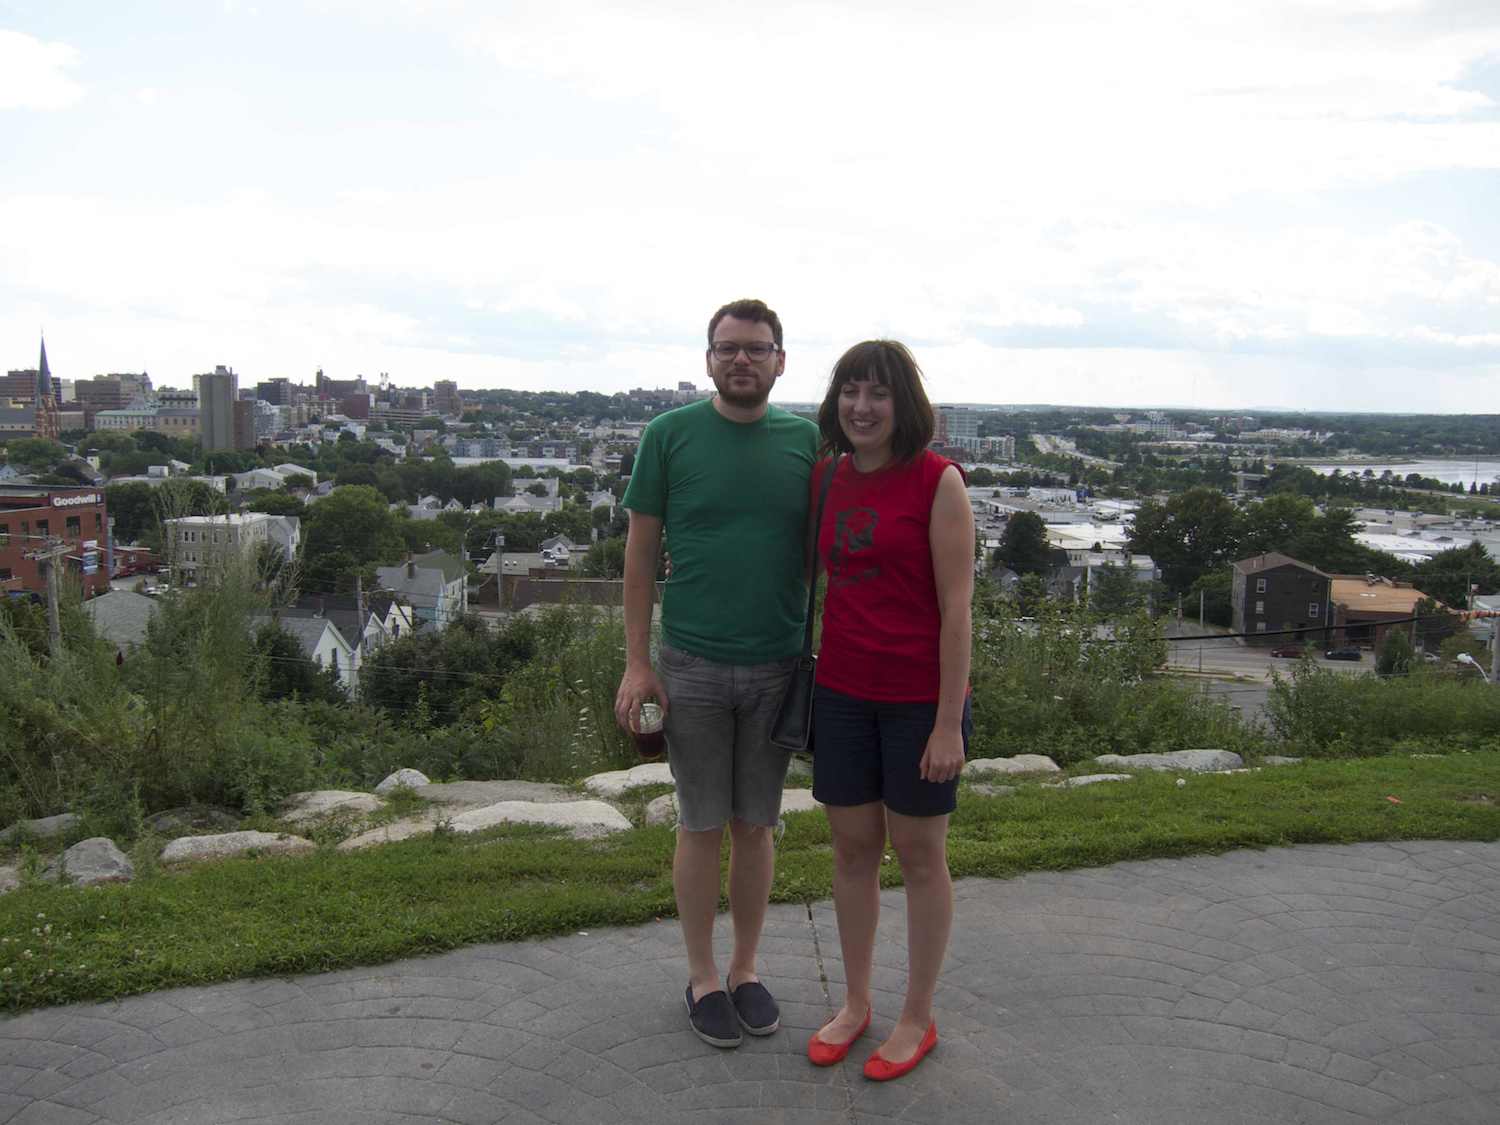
<point x="1315" y="985"/>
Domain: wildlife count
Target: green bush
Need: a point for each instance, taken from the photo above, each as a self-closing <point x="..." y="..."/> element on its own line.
<point x="1319" y="712"/>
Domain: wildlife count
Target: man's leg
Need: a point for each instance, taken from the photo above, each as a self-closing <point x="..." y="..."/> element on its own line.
<point x="752" y="866"/>
<point x="695" y="878"/>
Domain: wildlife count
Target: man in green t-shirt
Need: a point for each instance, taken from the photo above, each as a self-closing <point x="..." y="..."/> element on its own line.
<point x="727" y="479"/>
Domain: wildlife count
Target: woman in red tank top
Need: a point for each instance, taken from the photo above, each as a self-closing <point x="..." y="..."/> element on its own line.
<point x="890" y="713"/>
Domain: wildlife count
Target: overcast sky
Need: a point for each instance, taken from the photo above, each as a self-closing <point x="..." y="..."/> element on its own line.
<point x="1264" y="203"/>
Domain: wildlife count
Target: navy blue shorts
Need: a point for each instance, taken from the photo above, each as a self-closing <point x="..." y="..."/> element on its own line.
<point x="866" y="751"/>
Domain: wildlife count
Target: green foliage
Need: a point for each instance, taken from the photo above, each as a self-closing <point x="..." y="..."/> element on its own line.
<point x="34" y="453"/>
<point x="1113" y="591"/>
<point x="1317" y="711"/>
<point x="346" y="532"/>
<point x="1396" y="656"/>
<point x="1060" y="685"/>
<point x="288" y="671"/>
<point x="605" y="559"/>
<point x="1447" y="576"/>
<point x="1023" y="545"/>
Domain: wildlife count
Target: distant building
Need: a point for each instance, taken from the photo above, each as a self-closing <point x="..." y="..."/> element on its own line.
<point x="278" y="392"/>
<point x="217" y="394"/>
<point x="1274" y="593"/>
<point x="196" y="546"/>
<point x="958" y="426"/>
<point x="446" y="400"/>
<point x="1366" y="607"/>
<point x="32" y="517"/>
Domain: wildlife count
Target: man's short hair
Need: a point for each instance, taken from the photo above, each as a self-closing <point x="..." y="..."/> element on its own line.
<point x="890" y="364"/>
<point x="754" y="311"/>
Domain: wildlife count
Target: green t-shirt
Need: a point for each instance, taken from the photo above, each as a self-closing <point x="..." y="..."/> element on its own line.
<point x="732" y="498"/>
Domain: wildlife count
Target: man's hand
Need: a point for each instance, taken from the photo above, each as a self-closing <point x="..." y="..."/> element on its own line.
<point x="943" y="759"/>
<point x="637" y="685"/>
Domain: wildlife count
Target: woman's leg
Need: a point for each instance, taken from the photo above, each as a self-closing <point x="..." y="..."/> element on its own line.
<point x="921" y="843"/>
<point x="858" y="844"/>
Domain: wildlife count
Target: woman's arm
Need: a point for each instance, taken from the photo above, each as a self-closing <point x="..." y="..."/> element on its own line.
<point x="951" y="536"/>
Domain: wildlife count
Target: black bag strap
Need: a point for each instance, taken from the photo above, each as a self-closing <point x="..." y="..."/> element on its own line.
<point x="812" y="582"/>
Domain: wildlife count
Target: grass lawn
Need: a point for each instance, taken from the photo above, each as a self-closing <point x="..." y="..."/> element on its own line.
<point x="276" y="916"/>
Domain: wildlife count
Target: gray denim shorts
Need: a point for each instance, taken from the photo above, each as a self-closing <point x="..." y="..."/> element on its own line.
<point x="718" y="731"/>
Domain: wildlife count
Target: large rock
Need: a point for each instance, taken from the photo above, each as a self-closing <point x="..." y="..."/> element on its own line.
<point x="192" y="818"/>
<point x="1021" y="763"/>
<point x="472" y="794"/>
<point x="90" y="862"/>
<point x="584" y="819"/>
<point x="300" y="808"/>
<point x="616" y="783"/>
<point x="188" y="848"/>
<point x="42" y="828"/>
<point x="397" y="830"/>
<point x="1193" y="761"/>
<point x="662" y="810"/>
<point x="984" y="789"/>
<point x="412" y="779"/>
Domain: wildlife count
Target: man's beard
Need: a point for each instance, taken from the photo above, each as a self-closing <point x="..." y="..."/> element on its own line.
<point x="745" y="400"/>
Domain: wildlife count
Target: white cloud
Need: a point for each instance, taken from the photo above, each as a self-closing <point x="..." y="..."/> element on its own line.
<point x="32" y="73"/>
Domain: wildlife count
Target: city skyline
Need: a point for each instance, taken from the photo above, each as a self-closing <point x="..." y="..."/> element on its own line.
<point x="1180" y="206"/>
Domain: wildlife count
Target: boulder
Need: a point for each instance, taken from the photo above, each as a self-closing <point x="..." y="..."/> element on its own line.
<point x="10" y="879"/>
<point x="300" y="808"/>
<point x="90" y="862"/>
<point x="192" y="818"/>
<point x="412" y="779"/>
<point x="42" y="828"/>
<point x="1192" y="761"/>
<point x="1279" y="760"/>
<point x="472" y="794"/>
<point x="583" y="819"/>
<point x="662" y="810"/>
<point x="616" y="783"/>
<point x="1089" y="779"/>
<point x="1021" y="763"/>
<point x="396" y="830"/>
<point x="189" y="848"/>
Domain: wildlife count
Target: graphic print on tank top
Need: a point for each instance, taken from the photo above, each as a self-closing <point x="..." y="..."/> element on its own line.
<point x="853" y="534"/>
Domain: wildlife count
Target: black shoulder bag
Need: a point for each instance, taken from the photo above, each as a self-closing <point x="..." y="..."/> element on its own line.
<point x="792" y="728"/>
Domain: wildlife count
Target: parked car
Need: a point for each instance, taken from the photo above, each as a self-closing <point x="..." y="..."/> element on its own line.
<point x="1292" y="651"/>
<point x="1348" y="652"/>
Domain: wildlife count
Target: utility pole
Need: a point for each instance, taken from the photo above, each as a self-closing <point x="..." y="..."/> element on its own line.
<point x="49" y="557"/>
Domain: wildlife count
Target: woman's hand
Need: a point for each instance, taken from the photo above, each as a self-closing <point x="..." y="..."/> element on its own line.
<point x="943" y="759"/>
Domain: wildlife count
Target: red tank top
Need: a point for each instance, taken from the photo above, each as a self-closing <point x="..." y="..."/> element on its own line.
<point x="880" y="616"/>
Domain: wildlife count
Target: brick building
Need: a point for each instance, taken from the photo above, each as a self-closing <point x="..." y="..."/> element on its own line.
<point x="31" y="517"/>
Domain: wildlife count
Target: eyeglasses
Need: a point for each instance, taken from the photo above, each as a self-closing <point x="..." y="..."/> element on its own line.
<point x="727" y="350"/>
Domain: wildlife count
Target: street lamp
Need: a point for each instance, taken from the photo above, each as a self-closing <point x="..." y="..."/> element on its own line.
<point x="1465" y="658"/>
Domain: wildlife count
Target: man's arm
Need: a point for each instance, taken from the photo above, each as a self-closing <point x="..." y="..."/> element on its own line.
<point x="640" y="682"/>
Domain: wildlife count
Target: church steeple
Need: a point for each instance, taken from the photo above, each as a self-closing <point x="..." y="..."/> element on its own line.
<point x="43" y="375"/>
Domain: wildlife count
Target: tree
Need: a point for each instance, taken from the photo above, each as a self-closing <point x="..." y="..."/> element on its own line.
<point x="1435" y="623"/>
<point x="1190" y="535"/>
<point x="1395" y="657"/>
<point x="289" y="673"/>
<point x="1448" y="576"/>
<point x="132" y="509"/>
<point x="1276" y="524"/>
<point x="274" y="503"/>
<point x="1023" y="545"/>
<point x="605" y="559"/>
<point x="34" y="453"/>
<point x="1114" y="592"/>
<point x="348" y="529"/>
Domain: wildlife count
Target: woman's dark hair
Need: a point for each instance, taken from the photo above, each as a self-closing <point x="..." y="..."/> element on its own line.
<point x="890" y="364"/>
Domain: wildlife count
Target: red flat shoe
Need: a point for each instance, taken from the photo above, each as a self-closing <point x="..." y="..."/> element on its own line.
<point x="821" y="1053"/>
<point x="877" y="1069"/>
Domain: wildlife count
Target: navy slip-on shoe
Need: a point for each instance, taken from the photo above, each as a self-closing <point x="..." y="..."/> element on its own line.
<point x="755" y="1008"/>
<point x="713" y="1019"/>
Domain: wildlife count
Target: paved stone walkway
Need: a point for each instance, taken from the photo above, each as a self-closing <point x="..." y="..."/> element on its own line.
<point x="1316" y="984"/>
